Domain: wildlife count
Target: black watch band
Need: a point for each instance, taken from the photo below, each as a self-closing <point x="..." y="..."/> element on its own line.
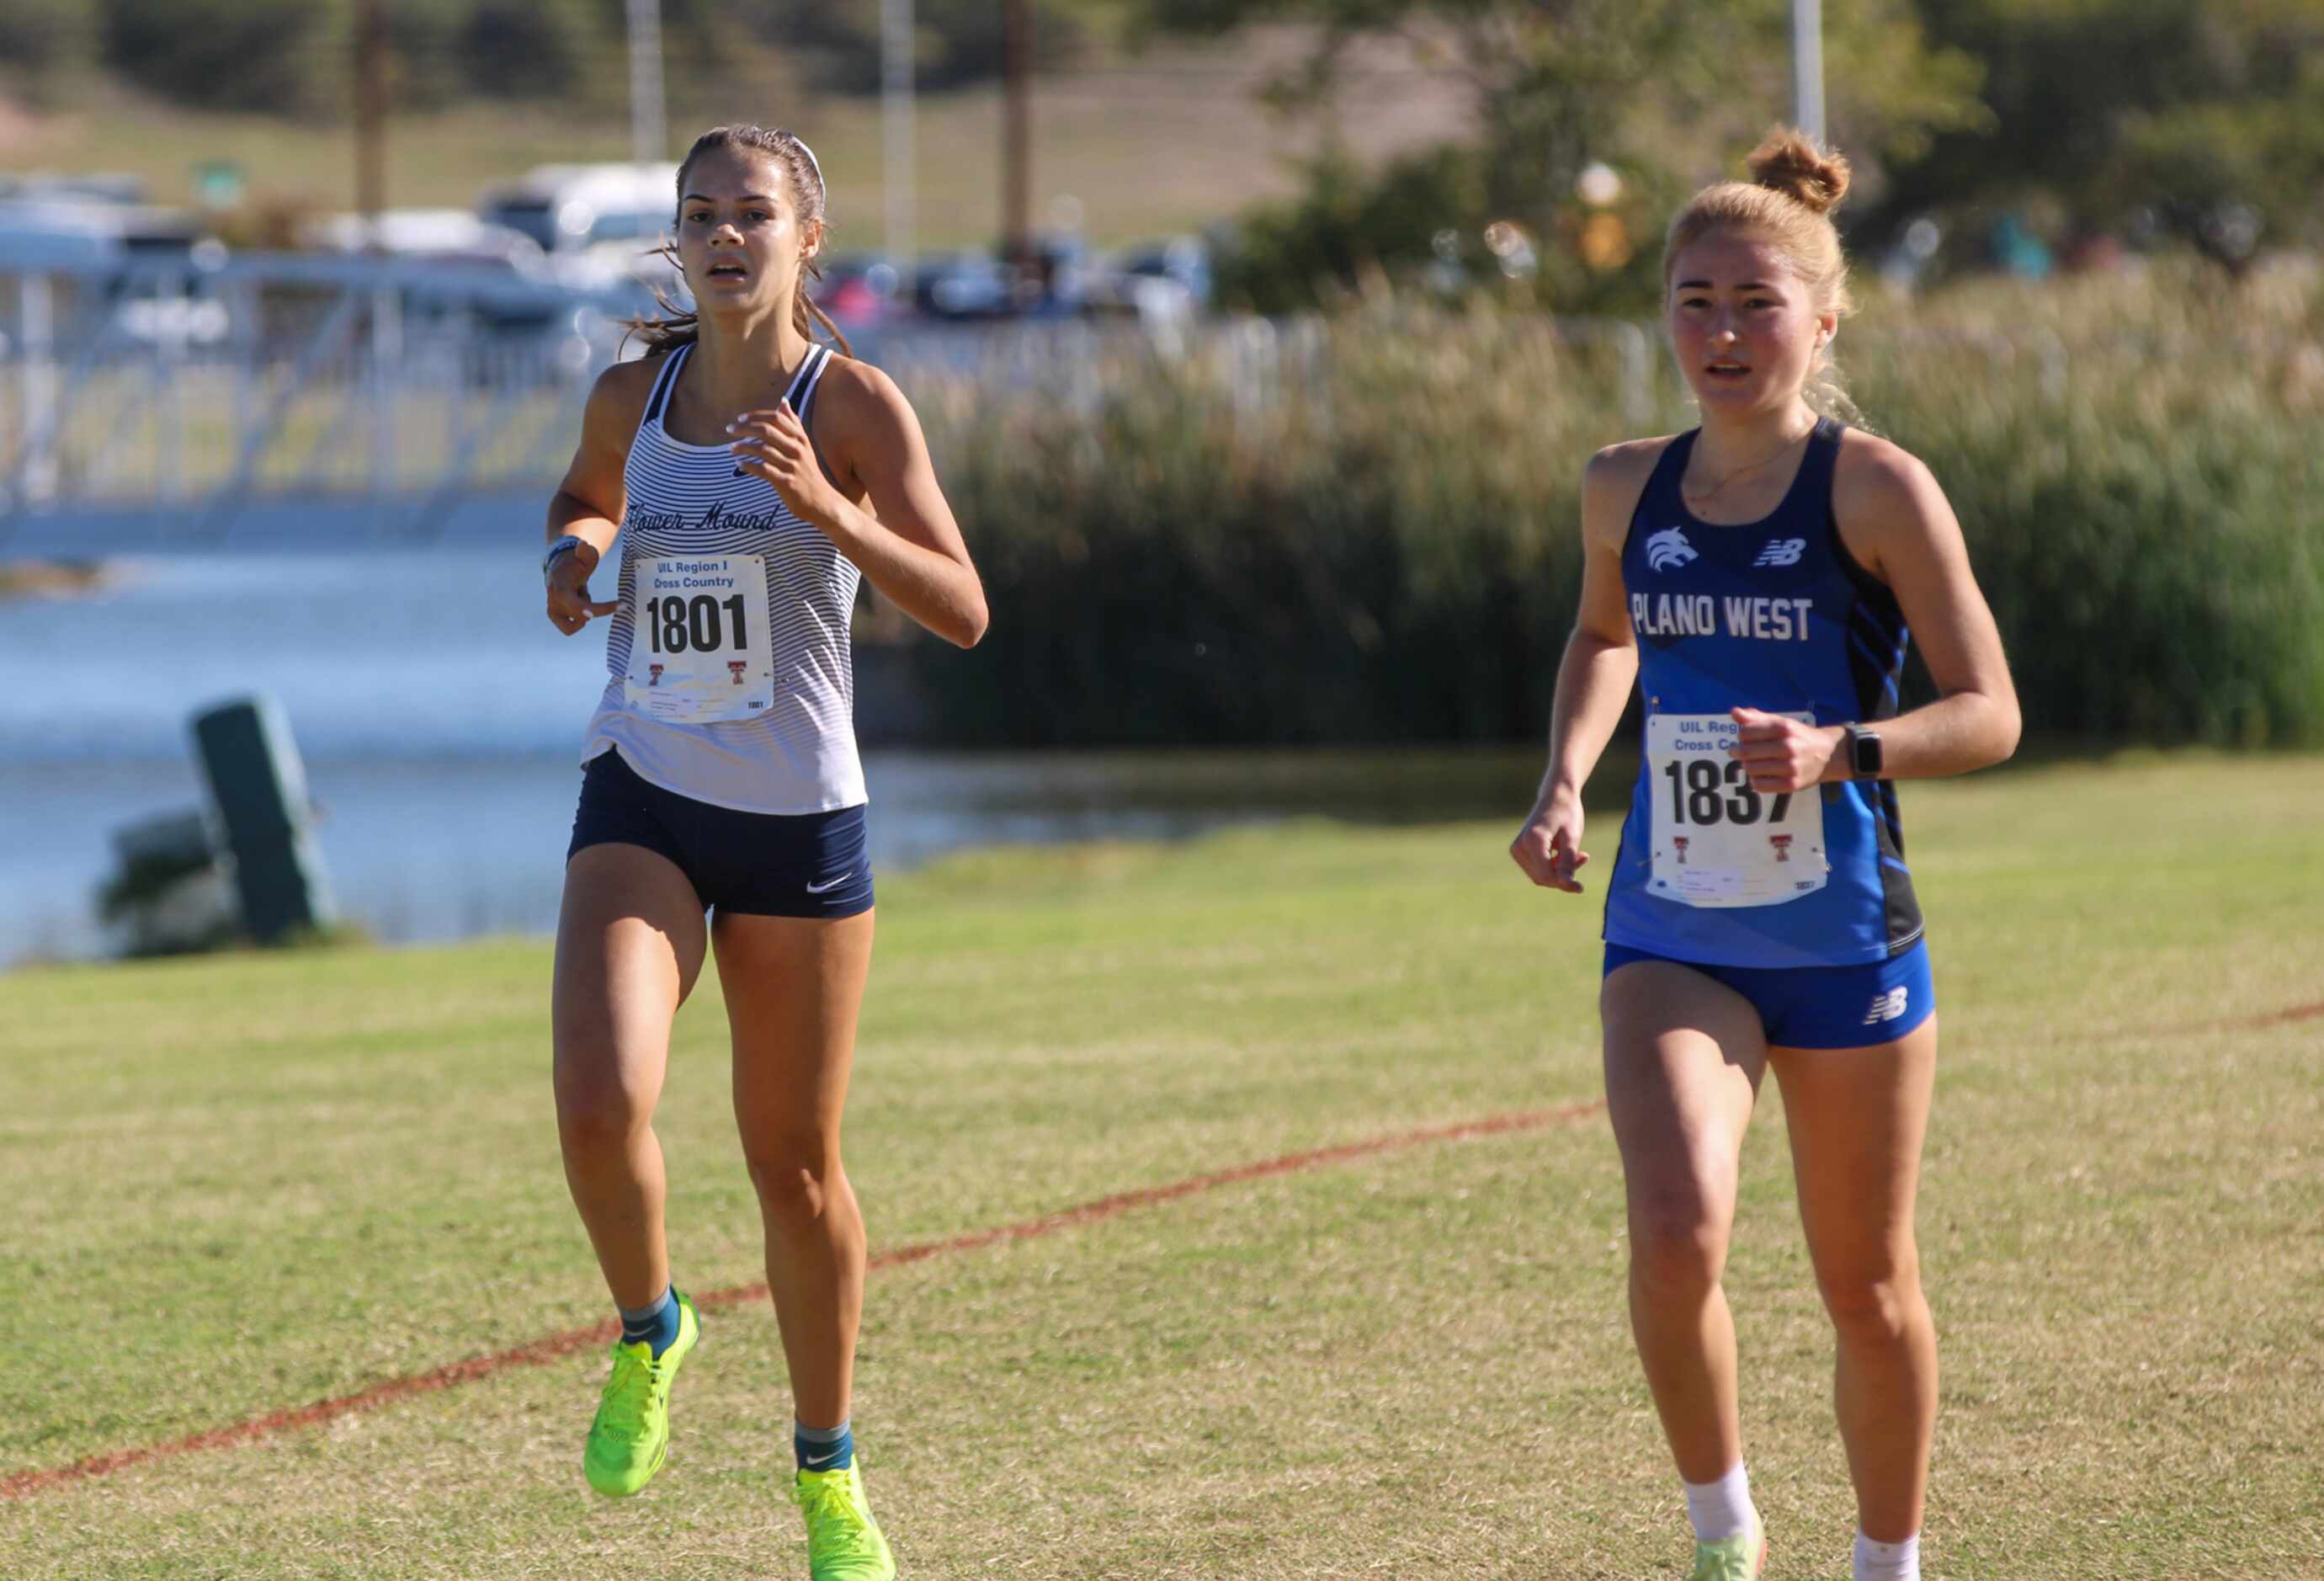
<point x="1864" y="760"/>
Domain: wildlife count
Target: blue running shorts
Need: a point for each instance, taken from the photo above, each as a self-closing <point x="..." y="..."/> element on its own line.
<point x="1822" y="1007"/>
<point x="768" y="864"/>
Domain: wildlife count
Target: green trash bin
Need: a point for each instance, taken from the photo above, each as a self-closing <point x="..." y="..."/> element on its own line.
<point x="258" y="803"/>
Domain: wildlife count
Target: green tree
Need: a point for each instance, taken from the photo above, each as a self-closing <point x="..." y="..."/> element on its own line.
<point x="285" y="56"/>
<point x="2206" y="120"/>
<point x="294" y="58"/>
<point x="535" y="48"/>
<point x="1664" y="92"/>
<point x="41" y="41"/>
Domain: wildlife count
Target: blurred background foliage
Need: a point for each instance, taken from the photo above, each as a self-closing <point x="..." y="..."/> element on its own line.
<point x="2151" y="114"/>
<point x="2070" y="122"/>
<point x="1654" y="94"/>
<point x="291" y="57"/>
<point x="2090" y="120"/>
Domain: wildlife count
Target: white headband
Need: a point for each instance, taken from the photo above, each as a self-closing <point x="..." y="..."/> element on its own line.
<point x="813" y="164"/>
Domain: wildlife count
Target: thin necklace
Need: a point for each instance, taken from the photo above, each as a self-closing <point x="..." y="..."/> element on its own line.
<point x="1704" y="494"/>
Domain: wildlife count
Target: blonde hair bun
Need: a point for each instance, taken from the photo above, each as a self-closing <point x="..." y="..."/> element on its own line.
<point x="1787" y="160"/>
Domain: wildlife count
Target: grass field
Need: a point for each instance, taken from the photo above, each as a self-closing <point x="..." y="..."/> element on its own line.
<point x="1167" y="140"/>
<point x="251" y="1183"/>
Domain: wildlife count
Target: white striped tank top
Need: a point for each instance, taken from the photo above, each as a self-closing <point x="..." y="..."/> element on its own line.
<point x="799" y="756"/>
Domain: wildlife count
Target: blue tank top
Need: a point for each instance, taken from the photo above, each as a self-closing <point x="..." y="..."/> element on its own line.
<point x="1774" y="614"/>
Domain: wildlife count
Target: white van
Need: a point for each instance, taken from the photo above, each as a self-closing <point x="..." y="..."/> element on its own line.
<point x="568" y="207"/>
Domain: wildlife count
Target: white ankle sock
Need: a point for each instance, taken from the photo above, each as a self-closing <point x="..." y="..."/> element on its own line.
<point x="1719" y="1509"/>
<point x="1887" y="1561"/>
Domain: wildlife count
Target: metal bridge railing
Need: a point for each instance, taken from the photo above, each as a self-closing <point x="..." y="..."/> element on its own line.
<point x="197" y="388"/>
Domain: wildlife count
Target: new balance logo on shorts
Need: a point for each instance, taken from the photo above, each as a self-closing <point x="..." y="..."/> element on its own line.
<point x="1886" y="1007"/>
<point x="1780" y="551"/>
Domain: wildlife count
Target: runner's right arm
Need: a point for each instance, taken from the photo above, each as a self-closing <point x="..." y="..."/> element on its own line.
<point x="1595" y="677"/>
<point x="589" y="504"/>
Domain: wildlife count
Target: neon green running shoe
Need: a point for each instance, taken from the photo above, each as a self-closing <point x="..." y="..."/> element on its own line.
<point x="1739" y="1557"/>
<point x="631" y="1436"/>
<point x="843" y="1541"/>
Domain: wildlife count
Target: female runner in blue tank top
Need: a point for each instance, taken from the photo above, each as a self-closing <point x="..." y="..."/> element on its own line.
<point x="1758" y="577"/>
<point x="753" y="479"/>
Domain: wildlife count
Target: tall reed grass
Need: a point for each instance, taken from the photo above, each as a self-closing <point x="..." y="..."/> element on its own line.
<point x="1364" y="528"/>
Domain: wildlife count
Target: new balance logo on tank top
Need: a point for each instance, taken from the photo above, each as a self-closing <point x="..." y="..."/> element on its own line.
<point x="1775" y="616"/>
<point x="730" y="675"/>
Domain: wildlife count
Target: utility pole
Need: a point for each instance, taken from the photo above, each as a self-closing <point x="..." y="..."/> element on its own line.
<point x="1807" y="67"/>
<point x="371" y="109"/>
<point x="1017" y="135"/>
<point x="649" y="121"/>
<point x="897" y="134"/>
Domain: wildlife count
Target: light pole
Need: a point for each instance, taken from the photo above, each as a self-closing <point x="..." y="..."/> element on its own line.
<point x="1807" y="67"/>
<point x="371" y="113"/>
<point x="1017" y="136"/>
<point x="649" y="123"/>
<point x="896" y="64"/>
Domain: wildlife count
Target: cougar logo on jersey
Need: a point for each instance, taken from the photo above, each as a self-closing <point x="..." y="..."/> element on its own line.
<point x="1667" y="549"/>
<point x="1780" y="551"/>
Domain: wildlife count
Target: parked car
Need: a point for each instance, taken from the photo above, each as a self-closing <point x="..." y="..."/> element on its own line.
<point x="477" y="281"/>
<point x="1063" y="280"/>
<point x="107" y="244"/>
<point x="567" y="207"/>
<point x="444" y="234"/>
<point x="43" y="234"/>
<point x="962" y="286"/>
<point x="1185" y="261"/>
<point x="859" y="291"/>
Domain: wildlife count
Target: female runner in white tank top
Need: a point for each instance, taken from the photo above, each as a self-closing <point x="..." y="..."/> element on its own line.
<point x="751" y="478"/>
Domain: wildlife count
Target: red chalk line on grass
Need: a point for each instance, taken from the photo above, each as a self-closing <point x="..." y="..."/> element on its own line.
<point x="2298" y="1013"/>
<point x="24" y="1483"/>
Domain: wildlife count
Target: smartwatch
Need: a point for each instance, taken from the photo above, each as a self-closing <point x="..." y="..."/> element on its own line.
<point x="565" y="545"/>
<point x="1864" y="756"/>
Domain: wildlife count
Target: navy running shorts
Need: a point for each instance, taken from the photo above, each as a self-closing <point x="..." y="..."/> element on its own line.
<point x="1822" y="1007"/>
<point x="764" y="863"/>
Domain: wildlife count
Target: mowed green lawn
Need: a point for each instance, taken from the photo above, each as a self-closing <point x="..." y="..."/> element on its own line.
<point x="244" y="1184"/>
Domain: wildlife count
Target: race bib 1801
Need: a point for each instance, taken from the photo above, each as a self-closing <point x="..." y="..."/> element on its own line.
<point x="699" y="650"/>
<point x="1717" y="841"/>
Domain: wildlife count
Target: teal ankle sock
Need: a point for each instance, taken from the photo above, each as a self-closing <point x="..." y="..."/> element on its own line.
<point x="822" y="1448"/>
<point x="656" y="1325"/>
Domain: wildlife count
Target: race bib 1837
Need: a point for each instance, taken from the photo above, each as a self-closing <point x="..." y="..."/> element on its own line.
<point x="700" y="651"/>
<point x="1716" y="840"/>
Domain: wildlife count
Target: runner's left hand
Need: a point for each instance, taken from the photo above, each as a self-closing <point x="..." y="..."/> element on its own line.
<point x="772" y="444"/>
<point x="1784" y="755"/>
